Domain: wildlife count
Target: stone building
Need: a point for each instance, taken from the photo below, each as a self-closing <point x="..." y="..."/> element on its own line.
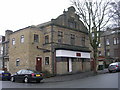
<point x="2" y="38"/>
<point x="4" y="50"/>
<point x="110" y="45"/>
<point x="60" y="46"/>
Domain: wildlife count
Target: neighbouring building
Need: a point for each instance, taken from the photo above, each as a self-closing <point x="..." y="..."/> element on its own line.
<point x="2" y="39"/>
<point x="4" y="50"/>
<point x="109" y="47"/>
<point x="60" y="46"/>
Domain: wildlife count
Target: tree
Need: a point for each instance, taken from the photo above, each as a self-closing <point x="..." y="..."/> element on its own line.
<point x="116" y="11"/>
<point x="94" y="16"/>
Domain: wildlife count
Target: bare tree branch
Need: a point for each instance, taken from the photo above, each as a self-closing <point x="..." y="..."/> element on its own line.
<point x="93" y="15"/>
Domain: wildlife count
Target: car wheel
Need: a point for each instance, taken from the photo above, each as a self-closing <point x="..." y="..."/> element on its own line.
<point x="110" y="71"/>
<point x="12" y="79"/>
<point x="26" y="80"/>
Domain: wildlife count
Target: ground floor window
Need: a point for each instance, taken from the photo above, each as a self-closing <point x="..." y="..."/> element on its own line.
<point x="46" y="60"/>
<point x="17" y="62"/>
<point x="61" y="59"/>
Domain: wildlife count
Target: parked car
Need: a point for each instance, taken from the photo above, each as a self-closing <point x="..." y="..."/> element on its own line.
<point x="27" y="76"/>
<point x="5" y="75"/>
<point x="114" y="67"/>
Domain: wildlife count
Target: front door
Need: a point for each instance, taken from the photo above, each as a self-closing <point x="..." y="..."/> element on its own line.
<point x="38" y="64"/>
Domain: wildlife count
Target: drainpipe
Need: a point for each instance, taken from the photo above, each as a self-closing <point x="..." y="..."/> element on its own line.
<point x="104" y="45"/>
<point x="3" y="64"/>
<point x="52" y="51"/>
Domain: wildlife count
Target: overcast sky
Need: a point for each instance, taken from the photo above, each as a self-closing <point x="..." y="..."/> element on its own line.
<point x="17" y="14"/>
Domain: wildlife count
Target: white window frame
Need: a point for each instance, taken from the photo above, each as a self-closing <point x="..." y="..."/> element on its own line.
<point x="13" y="41"/>
<point x="114" y="41"/>
<point x="107" y="42"/>
<point x="22" y="39"/>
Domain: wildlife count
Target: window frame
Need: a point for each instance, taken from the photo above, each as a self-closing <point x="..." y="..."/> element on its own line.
<point x="72" y="39"/>
<point x="108" y="52"/>
<point x="47" y="60"/>
<point x="83" y="41"/>
<point x="114" y="41"/>
<point x="36" y="38"/>
<point x="107" y="42"/>
<point x="46" y="39"/>
<point x="60" y="36"/>
<point x="13" y="41"/>
<point x="22" y="39"/>
<point x="17" y="62"/>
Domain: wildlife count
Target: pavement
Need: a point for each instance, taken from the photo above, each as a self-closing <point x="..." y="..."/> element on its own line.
<point x="70" y="77"/>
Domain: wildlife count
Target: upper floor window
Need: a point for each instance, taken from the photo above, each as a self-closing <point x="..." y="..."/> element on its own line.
<point x="99" y="53"/>
<point x="99" y="45"/>
<point x="114" y="41"/>
<point x="83" y="41"/>
<point x="22" y="39"/>
<point x="60" y="33"/>
<point x="60" y="37"/>
<point x="36" y="38"/>
<point x="13" y="41"/>
<point x="72" y="24"/>
<point x="72" y="41"/>
<point x="107" y="42"/>
<point x="46" y="39"/>
<point x="108" y="52"/>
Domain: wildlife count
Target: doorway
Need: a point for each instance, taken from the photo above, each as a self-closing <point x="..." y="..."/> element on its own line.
<point x="38" y="64"/>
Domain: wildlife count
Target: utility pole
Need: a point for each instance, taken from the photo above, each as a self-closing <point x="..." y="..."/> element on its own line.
<point x="3" y="64"/>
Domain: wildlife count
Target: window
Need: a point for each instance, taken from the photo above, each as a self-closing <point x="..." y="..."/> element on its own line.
<point x="46" y="39"/>
<point x="72" y="39"/>
<point x="107" y="42"/>
<point x="36" y="38"/>
<point x="99" y="45"/>
<point x="60" y="33"/>
<point x="13" y="41"/>
<point x="46" y="60"/>
<point x="22" y="39"/>
<point x="18" y="62"/>
<point x="83" y="41"/>
<point x="72" y="24"/>
<point x="99" y="53"/>
<point x="114" y="41"/>
<point x="60" y="37"/>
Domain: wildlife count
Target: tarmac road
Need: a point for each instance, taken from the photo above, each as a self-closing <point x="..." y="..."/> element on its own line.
<point x="108" y="80"/>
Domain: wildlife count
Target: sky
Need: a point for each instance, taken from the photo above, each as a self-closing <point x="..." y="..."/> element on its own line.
<point x="18" y="14"/>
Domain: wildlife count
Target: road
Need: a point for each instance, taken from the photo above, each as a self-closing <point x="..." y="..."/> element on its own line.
<point x="109" y="80"/>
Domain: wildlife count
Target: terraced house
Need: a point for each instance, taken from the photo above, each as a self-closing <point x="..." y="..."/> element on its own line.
<point x="110" y="45"/>
<point x="60" y="46"/>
